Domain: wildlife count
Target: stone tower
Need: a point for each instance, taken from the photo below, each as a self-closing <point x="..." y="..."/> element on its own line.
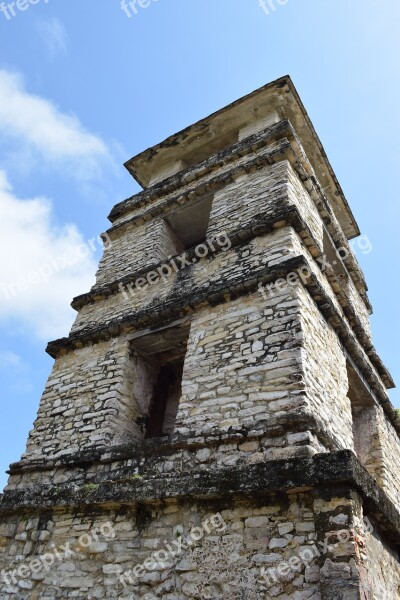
<point x="216" y="425"/>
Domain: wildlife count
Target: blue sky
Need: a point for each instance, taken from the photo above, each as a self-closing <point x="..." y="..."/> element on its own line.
<point x="84" y="88"/>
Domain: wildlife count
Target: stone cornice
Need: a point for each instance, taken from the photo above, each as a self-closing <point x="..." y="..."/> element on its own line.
<point x="176" y="306"/>
<point x="260" y="225"/>
<point x="287" y="147"/>
<point x="200" y="173"/>
<point x="223" y="127"/>
<point x="339" y="470"/>
<point x="144" y="452"/>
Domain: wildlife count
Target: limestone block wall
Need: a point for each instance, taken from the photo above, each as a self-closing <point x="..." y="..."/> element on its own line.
<point x="231" y="266"/>
<point x="251" y="333"/>
<point x="235" y="206"/>
<point x="325" y="374"/>
<point x="136" y="247"/>
<point x="90" y="399"/>
<point x="300" y="198"/>
<point x="356" y="562"/>
<point x="99" y="394"/>
<point x="388" y="455"/>
<point x="243" y="368"/>
<point x="360" y="308"/>
<point x="252" y="194"/>
<point x="382" y="564"/>
<point x="291" y="546"/>
<point x="320" y="399"/>
<point x="367" y="441"/>
<point x="244" y="549"/>
<point x="263" y="193"/>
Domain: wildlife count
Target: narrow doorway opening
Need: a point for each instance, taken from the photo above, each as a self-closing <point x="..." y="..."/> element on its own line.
<point x="165" y="403"/>
<point x="158" y="384"/>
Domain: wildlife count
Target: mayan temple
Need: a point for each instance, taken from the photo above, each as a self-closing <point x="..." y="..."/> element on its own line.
<point x="216" y="425"/>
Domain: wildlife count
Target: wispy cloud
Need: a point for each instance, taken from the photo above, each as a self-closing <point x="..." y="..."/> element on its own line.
<point x="34" y="297"/>
<point x="53" y="35"/>
<point x="37" y="126"/>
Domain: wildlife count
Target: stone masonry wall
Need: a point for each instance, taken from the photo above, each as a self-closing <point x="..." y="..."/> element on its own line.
<point x="137" y="248"/>
<point x="299" y="196"/>
<point x="262" y="192"/>
<point x="243" y="369"/>
<point x="233" y="265"/>
<point x="325" y="374"/>
<point x="88" y="400"/>
<point x="382" y="564"/>
<point x="102" y="391"/>
<point x="288" y="546"/>
<point x="235" y="550"/>
<point x="389" y="454"/>
<point x="73" y="390"/>
<point x="366" y="550"/>
<point x="367" y="442"/>
<point x="361" y="311"/>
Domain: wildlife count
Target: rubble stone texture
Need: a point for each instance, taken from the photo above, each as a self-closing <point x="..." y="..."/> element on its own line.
<point x="216" y="277"/>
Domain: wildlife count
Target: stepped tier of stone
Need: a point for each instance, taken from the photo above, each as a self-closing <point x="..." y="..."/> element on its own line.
<point x="220" y="375"/>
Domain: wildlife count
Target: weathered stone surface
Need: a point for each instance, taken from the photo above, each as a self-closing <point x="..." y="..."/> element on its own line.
<point x="280" y="473"/>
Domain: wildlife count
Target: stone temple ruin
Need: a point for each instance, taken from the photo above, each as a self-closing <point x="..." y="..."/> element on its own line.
<point x="216" y="425"/>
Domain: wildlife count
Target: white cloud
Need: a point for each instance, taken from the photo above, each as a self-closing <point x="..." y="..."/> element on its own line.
<point x="54" y="36"/>
<point x="39" y="127"/>
<point x="42" y="266"/>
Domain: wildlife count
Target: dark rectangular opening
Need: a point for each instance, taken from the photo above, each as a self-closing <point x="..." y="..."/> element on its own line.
<point x="190" y="223"/>
<point x="163" y="350"/>
<point x="165" y="403"/>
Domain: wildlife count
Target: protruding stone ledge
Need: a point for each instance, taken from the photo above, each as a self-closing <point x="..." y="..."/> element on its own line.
<point x="260" y="225"/>
<point x="279" y="98"/>
<point x="145" y="453"/>
<point x="196" y="173"/>
<point x="287" y="147"/>
<point x="176" y="306"/>
<point x="340" y="469"/>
